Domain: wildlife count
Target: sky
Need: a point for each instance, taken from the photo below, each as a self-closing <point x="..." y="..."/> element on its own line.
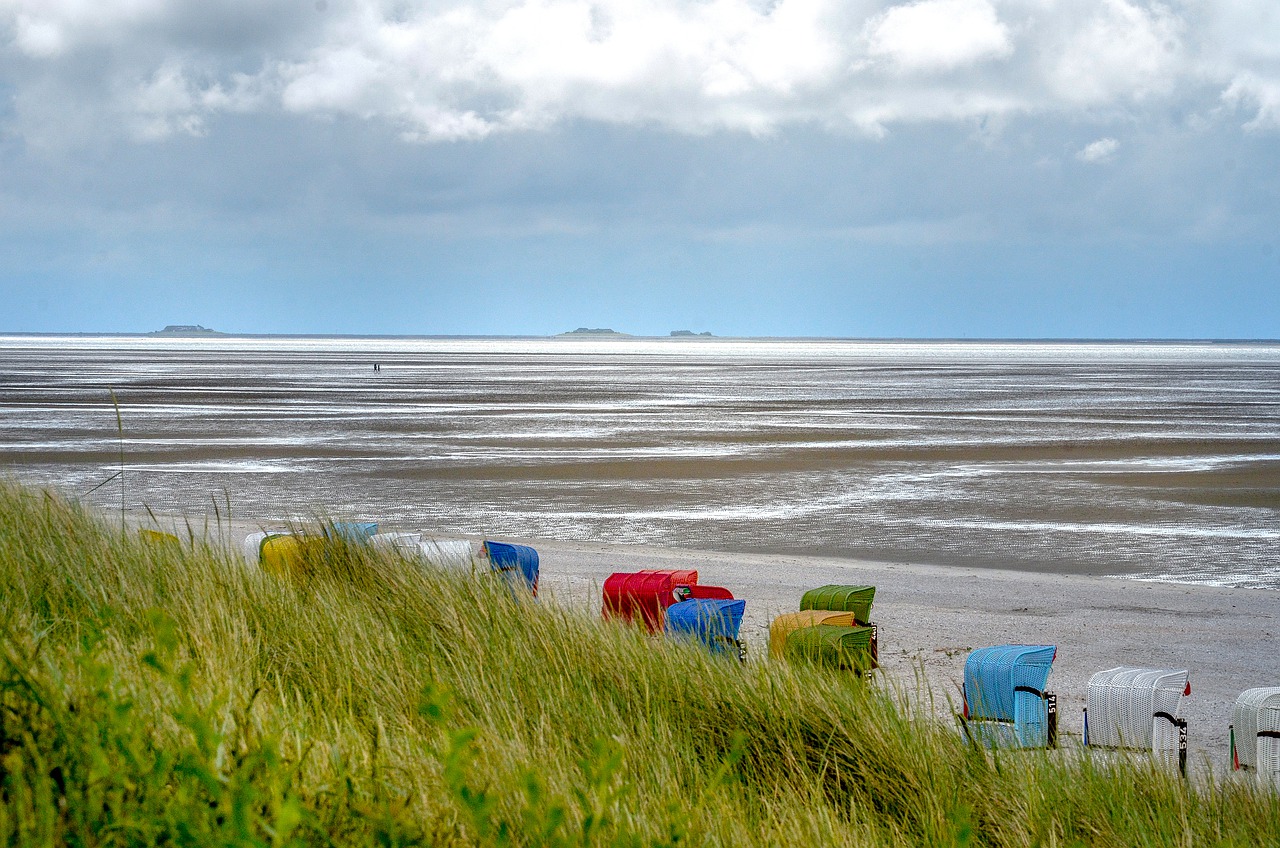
<point x="936" y="168"/>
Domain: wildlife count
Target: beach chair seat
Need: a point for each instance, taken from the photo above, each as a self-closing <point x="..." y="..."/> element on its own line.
<point x="644" y="595"/>
<point x="1005" y="700"/>
<point x="1254" y="719"/>
<point x="698" y="590"/>
<point x="714" y="622"/>
<point x="783" y="625"/>
<point x="517" y="564"/>
<point x="842" y="647"/>
<point x="854" y="599"/>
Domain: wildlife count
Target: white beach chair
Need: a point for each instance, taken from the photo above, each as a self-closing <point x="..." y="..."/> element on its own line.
<point x="405" y="544"/>
<point x="252" y="547"/>
<point x="1267" y="749"/>
<point x="452" y="554"/>
<point x="1255" y="732"/>
<point x="1139" y="709"/>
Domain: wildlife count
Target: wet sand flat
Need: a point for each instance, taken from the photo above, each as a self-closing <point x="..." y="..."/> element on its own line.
<point x="1142" y="459"/>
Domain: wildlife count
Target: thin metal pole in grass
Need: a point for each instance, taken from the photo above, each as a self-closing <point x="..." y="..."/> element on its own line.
<point x="120" y="430"/>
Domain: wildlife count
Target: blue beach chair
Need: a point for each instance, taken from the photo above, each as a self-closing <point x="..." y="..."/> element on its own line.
<point x="518" y="564"/>
<point x="1005" y="702"/>
<point x="353" y="532"/>
<point x="713" y="621"/>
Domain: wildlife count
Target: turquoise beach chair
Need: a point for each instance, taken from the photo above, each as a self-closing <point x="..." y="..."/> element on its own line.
<point x="1005" y="702"/>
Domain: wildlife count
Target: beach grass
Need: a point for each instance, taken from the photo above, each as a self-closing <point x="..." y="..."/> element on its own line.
<point x="158" y="691"/>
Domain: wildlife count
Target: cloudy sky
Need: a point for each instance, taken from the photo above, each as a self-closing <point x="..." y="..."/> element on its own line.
<point x="953" y="168"/>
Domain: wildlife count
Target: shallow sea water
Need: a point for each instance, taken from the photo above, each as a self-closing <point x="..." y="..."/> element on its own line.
<point x="1154" y="460"/>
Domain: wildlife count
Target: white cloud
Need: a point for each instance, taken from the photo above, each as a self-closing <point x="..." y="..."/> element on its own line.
<point x="1098" y="151"/>
<point x="1262" y="95"/>
<point x="465" y="70"/>
<point x="1118" y="51"/>
<point x="938" y="35"/>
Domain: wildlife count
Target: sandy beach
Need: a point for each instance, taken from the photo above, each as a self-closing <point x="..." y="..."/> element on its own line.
<point x="931" y="616"/>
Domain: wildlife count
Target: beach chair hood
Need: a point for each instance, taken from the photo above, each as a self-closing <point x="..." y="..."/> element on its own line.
<point x="854" y="599"/>
<point x="713" y="621"/>
<point x="784" y="625"/>
<point x="646" y="595"/>
<point x="832" y="645"/>
<point x="994" y="677"/>
<point x="517" y="563"/>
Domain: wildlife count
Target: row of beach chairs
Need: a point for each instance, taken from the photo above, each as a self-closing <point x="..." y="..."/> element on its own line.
<point x="1006" y="702"/>
<point x="832" y="627"/>
<point x="286" y="552"/>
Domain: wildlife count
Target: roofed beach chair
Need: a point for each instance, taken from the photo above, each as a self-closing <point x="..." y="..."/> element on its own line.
<point x="842" y="647"/>
<point x="289" y="555"/>
<point x="851" y="599"/>
<point x="252" y="547"/>
<point x="645" y="595"/>
<point x="1139" y="709"/>
<point x="854" y="599"/>
<point x="280" y="548"/>
<point x="1255" y="732"/>
<point x="785" y="624"/>
<point x="517" y="564"/>
<point x="354" y="532"/>
<point x="1005" y="702"/>
<point x="713" y="621"/>
<point x="449" y="554"/>
<point x="453" y="554"/>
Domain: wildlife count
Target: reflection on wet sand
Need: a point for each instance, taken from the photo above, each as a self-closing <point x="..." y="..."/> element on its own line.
<point x="1153" y="459"/>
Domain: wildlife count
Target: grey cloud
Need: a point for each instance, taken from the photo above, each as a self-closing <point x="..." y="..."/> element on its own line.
<point x="150" y="69"/>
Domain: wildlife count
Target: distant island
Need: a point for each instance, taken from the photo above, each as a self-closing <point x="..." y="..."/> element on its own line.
<point x="596" y="331"/>
<point x="686" y="333"/>
<point x="185" y="330"/>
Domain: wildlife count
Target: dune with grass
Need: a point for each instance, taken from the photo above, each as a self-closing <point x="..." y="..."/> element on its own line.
<point x="162" y="691"/>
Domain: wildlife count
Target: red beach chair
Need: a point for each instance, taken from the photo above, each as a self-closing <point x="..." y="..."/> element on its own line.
<point x="644" y="594"/>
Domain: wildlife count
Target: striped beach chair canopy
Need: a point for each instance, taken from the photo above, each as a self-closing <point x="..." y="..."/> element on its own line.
<point x="454" y="554"/>
<point x="854" y="599"/>
<point x="351" y="531"/>
<point x="644" y="595"/>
